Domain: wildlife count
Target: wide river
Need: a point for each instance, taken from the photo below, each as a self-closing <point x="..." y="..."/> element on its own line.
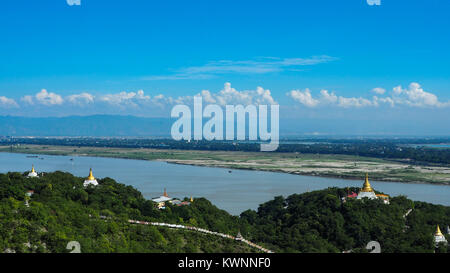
<point x="234" y="192"/>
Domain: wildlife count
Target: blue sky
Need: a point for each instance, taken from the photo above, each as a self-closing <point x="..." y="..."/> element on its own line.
<point x="85" y="55"/>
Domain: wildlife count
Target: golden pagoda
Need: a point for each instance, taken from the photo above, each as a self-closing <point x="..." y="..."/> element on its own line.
<point x="439" y="237"/>
<point x="191" y="200"/>
<point x="90" y="177"/>
<point x="90" y="180"/>
<point x="438" y="232"/>
<point x="165" y="193"/>
<point x="33" y="172"/>
<point x="366" y="191"/>
<point x="366" y="187"/>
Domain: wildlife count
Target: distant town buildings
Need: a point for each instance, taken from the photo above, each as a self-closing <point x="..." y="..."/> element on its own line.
<point x="90" y="180"/>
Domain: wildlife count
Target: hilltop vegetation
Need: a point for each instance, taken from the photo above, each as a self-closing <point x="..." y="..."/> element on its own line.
<point x="62" y="210"/>
<point x="320" y="222"/>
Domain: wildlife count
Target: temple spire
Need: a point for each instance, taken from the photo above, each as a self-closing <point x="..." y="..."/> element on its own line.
<point x="165" y="193"/>
<point x="90" y="180"/>
<point x="367" y="187"/>
<point x="438" y="231"/>
<point x="33" y="172"/>
<point x="91" y="176"/>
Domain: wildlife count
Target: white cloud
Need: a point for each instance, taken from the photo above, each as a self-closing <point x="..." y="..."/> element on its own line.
<point x="73" y="2"/>
<point x="260" y="66"/>
<point x="44" y="97"/>
<point x="207" y="96"/>
<point x="47" y="98"/>
<point x="327" y="97"/>
<point x="7" y="102"/>
<point x="81" y="99"/>
<point x="379" y="90"/>
<point x="387" y="100"/>
<point x="229" y="95"/>
<point x="27" y="100"/>
<point x="125" y="98"/>
<point x="264" y="96"/>
<point x="354" y="102"/>
<point x="414" y="96"/>
<point x="304" y="97"/>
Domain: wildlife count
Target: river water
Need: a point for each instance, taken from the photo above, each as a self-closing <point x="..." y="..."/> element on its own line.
<point x="234" y="191"/>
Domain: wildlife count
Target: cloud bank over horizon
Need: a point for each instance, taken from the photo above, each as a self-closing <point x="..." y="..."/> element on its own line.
<point x="413" y="96"/>
<point x="49" y="103"/>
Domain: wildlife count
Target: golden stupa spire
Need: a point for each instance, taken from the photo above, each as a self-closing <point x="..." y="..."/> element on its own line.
<point x="438" y="231"/>
<point x="191" y="200"/>
<point x="366" y="186"/>
<point x="32" y="169"/>
<point x="165" y="193"/>
<point x="90" y="177"/>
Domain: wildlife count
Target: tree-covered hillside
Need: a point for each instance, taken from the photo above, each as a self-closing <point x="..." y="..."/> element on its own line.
<point x="321" y="222"/>
<point x="62" y="210"/>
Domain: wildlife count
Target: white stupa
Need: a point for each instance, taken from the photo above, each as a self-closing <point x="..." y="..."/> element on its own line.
<point x="439" y="237"/>
<point x="90" y="180"/>
<point x="33" y="173"/>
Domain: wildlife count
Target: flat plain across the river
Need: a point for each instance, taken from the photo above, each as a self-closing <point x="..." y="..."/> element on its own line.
<point x="326" y="165"/>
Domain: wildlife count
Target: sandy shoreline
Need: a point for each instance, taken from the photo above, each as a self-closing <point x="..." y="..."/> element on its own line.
<point x="302" y="174"/>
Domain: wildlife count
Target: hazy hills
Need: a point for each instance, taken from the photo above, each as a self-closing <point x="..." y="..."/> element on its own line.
<point x="132" y="126"/>
<point x="97" y="125"/>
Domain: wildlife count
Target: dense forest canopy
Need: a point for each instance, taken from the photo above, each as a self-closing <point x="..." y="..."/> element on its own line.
<point x="62" y="210"/>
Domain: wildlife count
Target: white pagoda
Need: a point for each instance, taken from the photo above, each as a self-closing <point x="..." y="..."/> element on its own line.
<point x="439" y="237"/>
<point x="33" y="173"/>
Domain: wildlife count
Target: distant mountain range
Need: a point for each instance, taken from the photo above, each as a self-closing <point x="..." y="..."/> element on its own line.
<point x="97" y="125"/>
<point x="132" y="126"/>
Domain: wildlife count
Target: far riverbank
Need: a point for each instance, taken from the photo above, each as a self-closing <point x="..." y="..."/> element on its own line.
<point x="330" y="166"/>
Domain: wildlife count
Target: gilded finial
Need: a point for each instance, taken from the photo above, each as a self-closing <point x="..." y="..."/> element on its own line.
<point x="438" y="231"/>
<point x="367" y="187"/>
<point x="32" y="168"/>
<point x="191" y="200"/>
<point x="165" y="193"/>
<point x="91" y="176"/>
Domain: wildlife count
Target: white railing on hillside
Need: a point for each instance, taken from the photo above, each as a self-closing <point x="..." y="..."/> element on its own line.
<point x="202" y="230"/>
